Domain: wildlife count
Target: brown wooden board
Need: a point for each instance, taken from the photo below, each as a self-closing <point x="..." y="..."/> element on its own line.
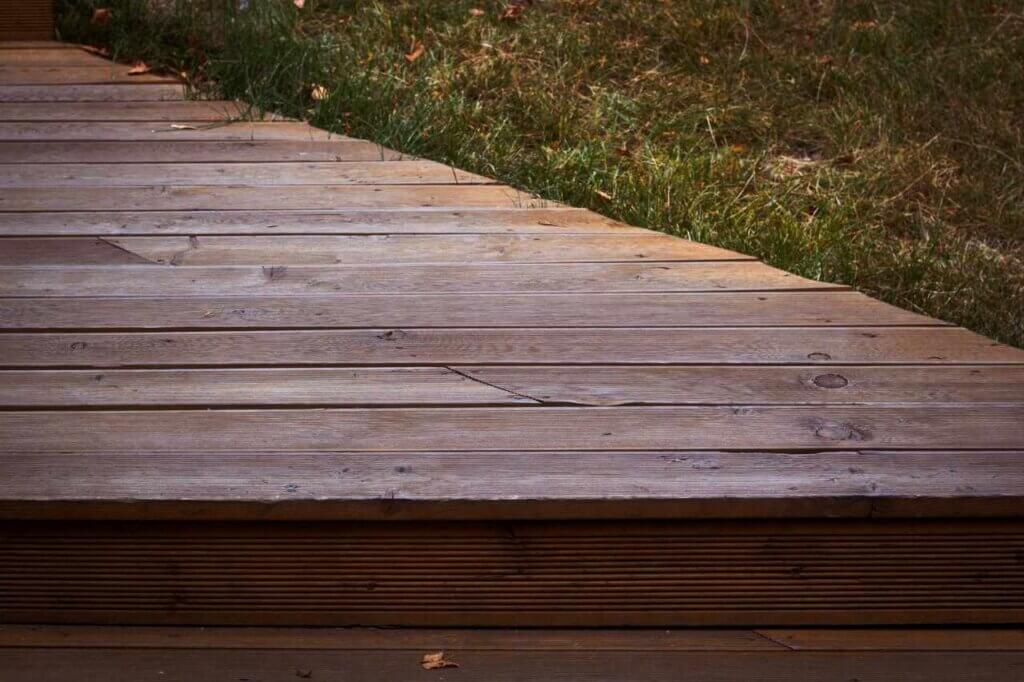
<point x="115" y="92"/>
<point x="75" y="75"/>
<point x="340" y="221"/>
<point x="195" y="151"/>
<point x="102" y="175"/>
<point x="181" y="130"/>
<point x="369" y="249"/>
<point x="193" y="110"/>
<point x="636" y="573"/>
<point x="557" y="346"/>
<point x="501" y="486"/>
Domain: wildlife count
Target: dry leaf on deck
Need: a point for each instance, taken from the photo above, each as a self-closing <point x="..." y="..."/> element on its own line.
<point x="415" y="52"/>
<point x="182" y="126"/>
<point x="100" y="16"/>
<point x="101" y="51"/>
<point x="435" y="661"/>
<point x="138" y="68"/>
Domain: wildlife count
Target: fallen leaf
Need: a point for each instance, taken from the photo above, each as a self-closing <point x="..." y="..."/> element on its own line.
<point x="435" y="661"/>
<point x="100" y="16"/>
<point x="623" y="150"/>
<point x="476" y="12"/>
<point x="825" y="59"/>
<point x="101" y="51"/>
<point x="738" y="148"/>
<point x="705" y="60"/>
<point x="864" y="25"/>
<point x="138" y="68"/>
<point x="603" y="195"/>
<point x="415" y="52"/>
<point x="514" y="10"/>
<point x="299" y="3"/>
<point x="318" y="93"/>
<point x="182" y="126"/>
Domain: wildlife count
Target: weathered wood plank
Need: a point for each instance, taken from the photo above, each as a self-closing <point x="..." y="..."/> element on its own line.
<point x="172" y="665"/>
<point x="297" y="280"/>
<point x="29" y="56"/>
<point x="204" y="151"/>
<point x="893" y="639"/>
<point x="76" y="75"/>
<point x="826" y="346"/>
<point x="356" y="311"/>
<point x="717" y="384"/>
<point x="105" y="175"/>
<point x="349" y="639"/>
<point x="525" y="428"/>
<point x="113" y="92"/>
<point x="304" y="486"/>
<point x="241" y="222"/>
<point x="374" y="249"/>
<point x="191" y="110"/>
<point x="92" y="251"/>
<point x="578" y="385"/>
<point x="242" y="131"/>
<point x="265" y="198"/>
<point x="265" y="386"/>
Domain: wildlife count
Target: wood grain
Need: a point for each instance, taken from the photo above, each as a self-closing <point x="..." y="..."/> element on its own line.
<point x="49" y="57"/>
<point x="148" y="92"/>
<point x="357" y="311"/>
<point x="825" y="346"/>
<point x="191" y="110"/>
<point x="525" y="428"/>
<point x="161" y="131"/>
<point x="502" y="486"/>
<point x="234" y="174"/>
<point x="372" y="249"/>
<point x="76" y="75"/>
<point x="195" y="151"/>
<point x="338" y="221"/>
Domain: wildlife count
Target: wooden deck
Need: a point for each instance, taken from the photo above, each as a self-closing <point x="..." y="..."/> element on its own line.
<point x="254" y="373"/>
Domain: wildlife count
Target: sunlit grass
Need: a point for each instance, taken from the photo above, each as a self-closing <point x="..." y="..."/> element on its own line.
<point x="877" y="144"/>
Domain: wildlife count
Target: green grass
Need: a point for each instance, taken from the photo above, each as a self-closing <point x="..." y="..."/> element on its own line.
<point x="877" y="144"/>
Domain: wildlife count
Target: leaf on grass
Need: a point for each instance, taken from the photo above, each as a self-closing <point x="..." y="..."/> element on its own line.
<point x="514" y="10"/>
<point x="476" y="12"/>
<point x="705" y="60"/>
<point x="435" y="661"/>
<point x="138" y="68"/>
<point x="415" y="51"/>
<point x="318" y="93"/>
<point x="603" y="195"/>
<point x="299" y="3"/>
<point x="864" y="25"/>
<point x="100" y="16"/>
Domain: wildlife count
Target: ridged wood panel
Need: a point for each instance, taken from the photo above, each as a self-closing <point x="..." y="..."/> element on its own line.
<point x="26" y="19"/>
<point x="654" y="574"/>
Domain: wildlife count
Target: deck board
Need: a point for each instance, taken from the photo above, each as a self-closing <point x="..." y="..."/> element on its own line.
<point x="502" y="410"/>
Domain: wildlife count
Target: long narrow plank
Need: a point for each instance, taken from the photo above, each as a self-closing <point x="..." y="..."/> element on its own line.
<point x="579" y="385"/>
<point x="357" y="311"/>
<point x="100" y="174"/>
<point x="267" y="386"/>
<point x="113" y="92"/>
<point x="107" y="73"/>
<point x="49" y="57"/>
<point x="297" y="280"/>
<point x="162" y="131"/>
<point x="209" y="665"/>
<point x="635" y="573"/>
<point x="76" y="75"/>
<point x="825" y="346"/>
<point x="375" y="249"/>
<point x="303" y="486"/>
<point x="383" y="221"/>
<point x="525" y="428"/>
<point x="92" y="251"/>
<point x="715" y="384"/>
<point x="355" y="639"/>
<point x="199" y="151"/>
<point x="129" y="111"/>
<point x="898" y="639"/>
<point x="265" y="198"/>
<point x="36" y="45"/>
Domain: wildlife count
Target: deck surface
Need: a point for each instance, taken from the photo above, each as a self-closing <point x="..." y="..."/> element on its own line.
<point x="89" y="654"/>
<point x="255" y="320"/>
